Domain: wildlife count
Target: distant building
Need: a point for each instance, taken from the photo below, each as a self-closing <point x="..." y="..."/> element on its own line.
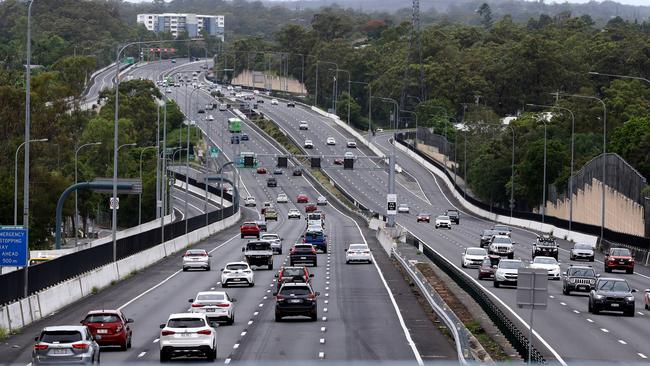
<point x="174" y="23"/>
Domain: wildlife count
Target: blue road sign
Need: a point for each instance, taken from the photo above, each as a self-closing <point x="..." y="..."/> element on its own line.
<point x="13" y="246"/>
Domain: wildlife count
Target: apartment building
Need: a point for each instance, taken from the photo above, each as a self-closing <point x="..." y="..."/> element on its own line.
<point x="175" y="23"/>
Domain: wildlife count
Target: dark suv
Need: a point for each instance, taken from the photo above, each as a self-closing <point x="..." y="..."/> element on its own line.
<point x="454" y="216"/>
<point x="295" y="299"/>
<point x="579" y="278"/>
<point x="546" y="246"/>
<point x="303" y="254"/>
<point x="271" y="182"/>
<point x="486" y="237"/>
<point x="293" y="275"/>
<point x="612" y="294"/>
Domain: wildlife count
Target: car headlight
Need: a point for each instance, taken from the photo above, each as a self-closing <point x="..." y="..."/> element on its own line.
<point x="599" y="297"/>
<point x="629" y="298"/>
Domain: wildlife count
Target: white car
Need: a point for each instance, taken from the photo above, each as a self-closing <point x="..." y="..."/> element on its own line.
<point x="223" y="107"/>
<point x="473" y="257"/>
<point x="276" y="242"/>
<point x="309" y="144"/>
<point x="358" y="253"/>
<point x="210" y="118"/>
<point x="274" y="101"/>
<point x="196" y="258"/>
<point x="321" y="201"/>
<point x="303" y="125"/>
<point x="352" y="144"/>
<point x="216" y="305"/>
<point x="237" y="273"/>
<point x="403" y="208"/>
<point x="293" y="214"/>
<point x="348" y="155"/>
<point x="443" y="221"/>
<point x="187" y="334"/>
<point x="282" y="198"/>
<point x="168" y="91"/>
<point x="331" y="141"/>
<point x="379" y="130"/>
<point x="507" y="272"/>
<point x="550" y="264"/>
<point x="250" y="202"/>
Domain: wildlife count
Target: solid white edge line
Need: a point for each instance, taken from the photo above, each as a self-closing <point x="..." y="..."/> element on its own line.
<point x="170" y="277"/>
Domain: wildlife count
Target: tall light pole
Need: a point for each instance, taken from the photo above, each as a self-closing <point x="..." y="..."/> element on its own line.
<point x="317" y="63"/>
<point x="76" y="209"/>
<point x="604" y="170"/>
<point x="573" y="126"/>
<point x="416" y="120"/>
<point x="349" y="96"/>
<point x="16" y="179"/>
<point x="390" y="220"/>
<point x="140" y="194"/>
<point x="619" y="76"/>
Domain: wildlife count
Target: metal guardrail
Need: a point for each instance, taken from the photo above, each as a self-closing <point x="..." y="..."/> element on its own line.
<point x="460" y="333"/>
<point x="515" y="330"/>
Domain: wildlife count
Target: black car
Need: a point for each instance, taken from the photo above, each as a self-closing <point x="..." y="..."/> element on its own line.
<point x="291" y="104"/>
<point x="260" y="101"/>
<point x="486" y="237"/>
<point x="234" y="139"/>
<point x="295" y="299"/>
<point x="579" y="279"/>
<point x="244" y="137"/>
<point x="297" y="172"/>
<point x="303" y="254"/>
<point x="546" y="246"/>
<point x="271" y="182"/>
<point x="201" y="111"/>
<point x="612" y="294"/>
<point x="454" y="216"/>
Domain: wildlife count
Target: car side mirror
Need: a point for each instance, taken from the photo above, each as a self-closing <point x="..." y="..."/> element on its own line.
<point x="495" y="267"/>
<point x="597" y="274"/>
<point x="564" y="273"/>
<point x="210" y="255"/>
<point x="128" y="321"/>
<point x="233" y="300"/>
<point x="275" y="294"/>
<point x="276" y="275"/>
<point x="36" y="338"/>
<point x="190" y="300"/>
<point x="345" y="250"/>
<point x="162" y="326"/>
<point x="243" y="249"/>
<point x="81" y="321"/>
<point x="222" y="270"/>
<point x="633" y="290"/>
<point x="311" y="275"/>
<point x="317" y="293"/>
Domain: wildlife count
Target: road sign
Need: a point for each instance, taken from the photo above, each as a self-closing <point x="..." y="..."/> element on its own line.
<point x="13" y="246"/>
<point x="532" y="288"/>
<point x="214" y="152"/>
<point x="114" y="204"/>
<point x="391" y="198"/>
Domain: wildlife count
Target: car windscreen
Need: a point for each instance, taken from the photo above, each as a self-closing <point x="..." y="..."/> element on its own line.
<point x="295" y="291"/>
<point x="499" y="240"/>
<point x="61" y="336"/>
<point x="185" y="323"/>
<point x="102" y="318"/>
<point x="258" y="246"/>
<point x="476" y="251"/>
<point x="510" y="264"/>
<point x="620" y="252"/>
<point x="615" y="286"/>
<point x="541" y="260"/>
<point x="211" y="297"/>
<point x="235" y="267"/>
<point x="583" y="246"/>
<point x="582" y="272"/>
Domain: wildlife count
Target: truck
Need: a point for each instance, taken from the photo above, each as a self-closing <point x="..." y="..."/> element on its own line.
<point x="258" y="253"/>
<point x="234" y="125"/>
<point x="315" y="218"/>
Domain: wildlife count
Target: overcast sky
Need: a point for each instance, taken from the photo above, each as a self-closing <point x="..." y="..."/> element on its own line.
<point x="630" y="2"/>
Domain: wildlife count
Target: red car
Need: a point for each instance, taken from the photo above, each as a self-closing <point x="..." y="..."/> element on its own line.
<point x="302" y="198"/>
<point x="293" y="274"/>
<point x="488" y="267"/>
<point x="249" y="229"/>
<point x="261" y="170"/>
<point x="619" y="258"/>
<point x="424" y="217"/>
<point x="109" y="327"/>
<point x="338" y="161"/>
<point x="311" y="208"/>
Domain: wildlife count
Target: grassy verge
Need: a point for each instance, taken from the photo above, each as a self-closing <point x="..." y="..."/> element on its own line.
<point x="4" y="334"/>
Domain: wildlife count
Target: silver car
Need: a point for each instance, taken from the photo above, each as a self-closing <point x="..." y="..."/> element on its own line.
<point x="66" y="344"/>
<point x="196" y="258"/>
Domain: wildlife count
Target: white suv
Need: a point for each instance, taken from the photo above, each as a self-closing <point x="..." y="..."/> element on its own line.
<point x="303" y="125"/>
<point x="215" y="305"/>
<point x="282" y="198"/>
<point x="187" y="334"/>
<point x="250" y="201"/>
<point x="276" y="242"/>
<point x="237" y="273"/>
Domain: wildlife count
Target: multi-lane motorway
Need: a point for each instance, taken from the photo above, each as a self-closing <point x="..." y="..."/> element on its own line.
<point x="566" y="326"/>
<point x="365" y="312"/>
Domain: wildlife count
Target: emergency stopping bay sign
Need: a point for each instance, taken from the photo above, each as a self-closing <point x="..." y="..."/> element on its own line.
<point x="391" y="199"/>
<point x="13" y="246"/>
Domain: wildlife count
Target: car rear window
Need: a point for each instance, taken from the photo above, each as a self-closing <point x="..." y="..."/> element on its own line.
<point x="185" y="323"/>
<point x="620" y="252"/>
<point x="102" y="318"/>
<point x="61" y="336"/>
<point x="234" y="267"/>
<point x="358" y="247"/>
<point x="296" y="291"/>
<point x="615" y="286"/>
<point x="195" y="252"/>
<point x="314" y="234"/>
<point x="258" y="246"/>
<point x="290" y="272"/>
<point x="211" y="297"/>
<point x="270" y="237"/>
<point x="304" y="248"/>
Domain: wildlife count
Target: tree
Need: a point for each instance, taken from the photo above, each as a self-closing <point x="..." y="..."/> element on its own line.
<point x="632" y="142"/>
<point x="486" y="13"/>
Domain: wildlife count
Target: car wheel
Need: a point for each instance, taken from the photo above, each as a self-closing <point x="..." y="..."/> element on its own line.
<point x="125" y="346"/>
<point x="270" y="266"/>
<point x="207" y="268"/>
<point x="128" y="345"/>
<point x="163" y="356"/>
<point x="242" y="236"/>
<point x="184" y="269"/>
<point x="496" y="284"/>
<point x="462" y="264"/>
<point x="314" y="316"/>
<point x="315" y="264"/>
<point x="231" y="321"/>
<point x="629" y="313"/>
<point x="591" y="259"/>
<point x="278" y="317"/>
<point x="291" y="263"/>
<point x="595" y="310"/>
<point x="212" y="355"/>
<point x="647" y="307"/>
<point x="628" y="271"/>
<point x="511" y="256"/>
<point x="607" y="269"/>
<point x="224" y="285"/>
<point x="566" y="291"/>
<point x="347" y="261"/>
<point x="590" y="308"/>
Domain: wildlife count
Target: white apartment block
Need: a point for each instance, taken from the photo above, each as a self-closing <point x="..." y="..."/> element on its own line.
<point x="193" y="24"/>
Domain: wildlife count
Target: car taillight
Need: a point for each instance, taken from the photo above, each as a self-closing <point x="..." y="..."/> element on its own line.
<point x="80" y="346"/>
<point x="40" y="347"/>
<point x="366" y="252"/>
<point x="204" y="332"/>
<point x="225" y="305"/>
<point x="118" y="329"/>
<point x="313" y="251"/>
<point x="197" y="305"/>
<point x="279" y="298"/>
<point x="167" y="332"/>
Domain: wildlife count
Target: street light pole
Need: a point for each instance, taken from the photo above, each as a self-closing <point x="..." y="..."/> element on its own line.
<point x="140" y="194"/>
<point x="604" y="170"/>
<point x="317" y="63"/>
<point x="416" y="120"/>
<point x="76" y="209"/>
<point x="349" y="96"/>
<point x="16" y="179"/>
<point x="619" y="76"/>
<point x="390" y="220"/>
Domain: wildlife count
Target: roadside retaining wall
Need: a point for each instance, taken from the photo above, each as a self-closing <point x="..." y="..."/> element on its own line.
<point x="39" y="305"/>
